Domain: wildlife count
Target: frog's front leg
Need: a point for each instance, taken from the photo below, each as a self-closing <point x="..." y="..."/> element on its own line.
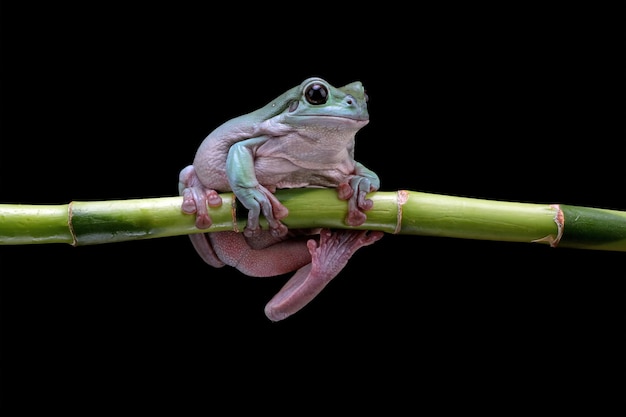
<point x="355" y="190"/>
<point x="328" y="257"/>
<point x="254" y="196"/>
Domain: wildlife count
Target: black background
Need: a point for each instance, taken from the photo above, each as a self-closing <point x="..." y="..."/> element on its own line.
<point x="522" y="102"/>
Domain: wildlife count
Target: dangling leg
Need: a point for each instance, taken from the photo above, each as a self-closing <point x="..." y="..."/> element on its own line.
<point x="328" y="258"/>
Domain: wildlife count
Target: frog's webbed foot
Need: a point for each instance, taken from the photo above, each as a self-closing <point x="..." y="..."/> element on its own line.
<point x="261" y="200"/>
<point x="355" y="192"/>
<point x="328" y="257"/>
<point x="196" y="197"/>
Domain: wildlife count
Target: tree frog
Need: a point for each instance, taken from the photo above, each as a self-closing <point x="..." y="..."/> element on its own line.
<point x="303" y="138"/>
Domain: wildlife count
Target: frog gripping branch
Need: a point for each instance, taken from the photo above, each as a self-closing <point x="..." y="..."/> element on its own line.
<point x="295" y="156"/>
<point x="303" y="138"/>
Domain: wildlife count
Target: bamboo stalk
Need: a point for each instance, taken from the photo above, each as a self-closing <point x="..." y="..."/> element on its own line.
<point x="402" y="212"/>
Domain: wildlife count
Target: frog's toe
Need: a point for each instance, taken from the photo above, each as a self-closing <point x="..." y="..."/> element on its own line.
<point x="197" y="200"/>
<point x="344" y="191"/>
<point x="364" y="203"/>
<point x="249" y="231"/>
<point x="203" y="221"/>
<point x="279" y="230"/>
<point x="355" y="218"/>
<point x="212" y="198"/>
<point x="189" y="202"/>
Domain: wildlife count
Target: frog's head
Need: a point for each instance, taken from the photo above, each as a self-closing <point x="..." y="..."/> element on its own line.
<point x="317" y="102"/>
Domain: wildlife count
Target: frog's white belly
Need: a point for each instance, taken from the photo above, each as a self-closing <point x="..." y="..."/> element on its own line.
<point x="285" y="173"/>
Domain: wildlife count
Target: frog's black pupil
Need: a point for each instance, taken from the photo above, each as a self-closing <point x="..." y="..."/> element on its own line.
<point x="316" y="94"/>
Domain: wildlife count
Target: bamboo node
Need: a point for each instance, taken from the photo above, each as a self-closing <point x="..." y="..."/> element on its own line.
<point x="559" y="219"/>
<point x="402" y="196"/>
<point x="233" y="213"/>
<point x="70" y="225"/>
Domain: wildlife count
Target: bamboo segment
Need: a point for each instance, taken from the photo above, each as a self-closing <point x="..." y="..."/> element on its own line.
<point x="471" y="218"/>
<point x="98" y="222"/>
<point x="402" y="212"/>
<point x="594" y="228"/>
<point x="22" y="224"/>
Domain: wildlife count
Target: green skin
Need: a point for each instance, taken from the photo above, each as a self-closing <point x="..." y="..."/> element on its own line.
<point x="303" y="138"/>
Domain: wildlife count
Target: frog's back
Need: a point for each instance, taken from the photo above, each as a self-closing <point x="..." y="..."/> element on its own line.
<point x="210" y="159"/>
<point x="245" y="126"/>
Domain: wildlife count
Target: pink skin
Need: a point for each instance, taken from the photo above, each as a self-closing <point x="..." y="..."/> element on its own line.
<point x="328" y="257"/>
<point x="317" y="256"/>
<point x="193" y="192"/>
<point x="317" y="260"/>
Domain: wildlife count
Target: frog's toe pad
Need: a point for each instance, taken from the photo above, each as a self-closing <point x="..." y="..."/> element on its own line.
<point x="279" y="230"/>
<point x="189" y="202"/>
<point x="355" y="218"/>
<point x="344" y="191"/>
<point x="251" y="231"/>
<point x="203" y="221"/>
<point x="364" y="203"/>
<point x="213" y="199"/>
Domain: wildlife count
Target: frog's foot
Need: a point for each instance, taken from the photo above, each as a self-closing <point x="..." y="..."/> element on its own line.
<point x="196" y="197"/>
<point x="261" y="200"/>
<point x="328" y="258"/>
<point x="355" y="193"/>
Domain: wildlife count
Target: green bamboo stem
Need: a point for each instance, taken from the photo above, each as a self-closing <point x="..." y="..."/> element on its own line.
<point x="402" y="212"/>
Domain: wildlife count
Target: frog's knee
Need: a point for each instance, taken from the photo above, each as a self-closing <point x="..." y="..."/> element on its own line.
<point x="184" y="178"/>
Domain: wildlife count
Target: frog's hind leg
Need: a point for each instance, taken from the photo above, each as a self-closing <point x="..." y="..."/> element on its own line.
<point x="202" y="245"/>
<point x="263" y="256"/>
<point x="328" y="258"/>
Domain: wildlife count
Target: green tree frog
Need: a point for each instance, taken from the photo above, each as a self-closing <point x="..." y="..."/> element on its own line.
<point x="303" y="138"/>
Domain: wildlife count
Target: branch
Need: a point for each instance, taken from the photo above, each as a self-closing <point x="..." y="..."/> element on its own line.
<point x="402" y="212"/>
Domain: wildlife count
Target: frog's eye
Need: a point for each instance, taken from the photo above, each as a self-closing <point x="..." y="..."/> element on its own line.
<point x="316" y="94"/>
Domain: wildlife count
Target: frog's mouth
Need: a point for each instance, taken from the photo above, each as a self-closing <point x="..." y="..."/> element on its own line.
<point x="331" y="120"/>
